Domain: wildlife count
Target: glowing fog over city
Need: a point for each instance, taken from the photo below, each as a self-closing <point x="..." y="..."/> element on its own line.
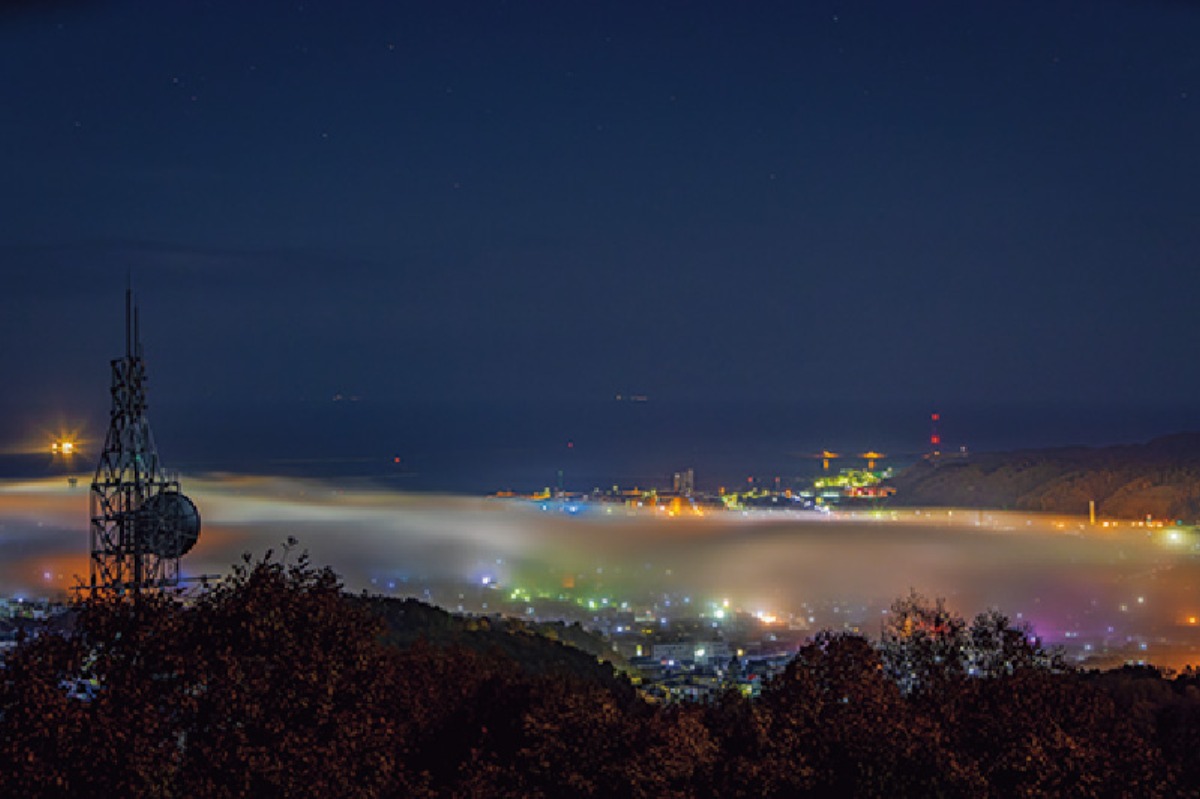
<point x="1127" y="588"/>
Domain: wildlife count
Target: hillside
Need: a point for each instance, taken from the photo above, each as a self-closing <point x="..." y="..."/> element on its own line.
<point x="1160" y="479"/>
<point x="275" y="683"/>
<point x="537" y="648"/>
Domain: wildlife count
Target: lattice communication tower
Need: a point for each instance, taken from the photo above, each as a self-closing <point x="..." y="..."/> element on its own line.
<point x="142" y="524"/>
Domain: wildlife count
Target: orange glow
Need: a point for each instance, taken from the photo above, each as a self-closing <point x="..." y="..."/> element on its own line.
<point x="56" y="574"/>
<point x="871" y="457"/>
<point x="50" y="439"/>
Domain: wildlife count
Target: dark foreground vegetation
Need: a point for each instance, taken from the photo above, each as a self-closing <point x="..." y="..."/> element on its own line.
<point x="1159" y="479"/>
<point x="276" y="683"/>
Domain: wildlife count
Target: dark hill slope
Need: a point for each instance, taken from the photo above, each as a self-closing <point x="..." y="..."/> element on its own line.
<point x="1159" y="479"/>
<point x="554" y="649"/>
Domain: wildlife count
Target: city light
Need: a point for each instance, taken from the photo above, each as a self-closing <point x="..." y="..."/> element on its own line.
<point x="794" y="573"/>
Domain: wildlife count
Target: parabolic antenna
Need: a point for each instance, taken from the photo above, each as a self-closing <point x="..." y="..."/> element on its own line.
<point x="168" y="524"/>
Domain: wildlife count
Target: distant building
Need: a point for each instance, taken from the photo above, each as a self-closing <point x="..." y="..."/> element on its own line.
<point x="684" y="483"/>
<point x="698" y="652"/>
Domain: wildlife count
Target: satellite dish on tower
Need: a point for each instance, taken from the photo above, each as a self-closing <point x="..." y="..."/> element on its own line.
<point x="168" y="524"/>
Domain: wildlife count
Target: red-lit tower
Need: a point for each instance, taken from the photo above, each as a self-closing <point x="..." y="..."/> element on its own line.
<point x="935" y="438"/>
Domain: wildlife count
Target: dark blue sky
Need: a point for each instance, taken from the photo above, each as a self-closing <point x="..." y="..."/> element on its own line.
<point x="943" y="202"/>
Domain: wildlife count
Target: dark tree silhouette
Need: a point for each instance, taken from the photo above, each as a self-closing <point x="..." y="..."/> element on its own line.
<point x="923" y="644"/>
<point x="269" y="685"/>
<point x="839" y="726"/>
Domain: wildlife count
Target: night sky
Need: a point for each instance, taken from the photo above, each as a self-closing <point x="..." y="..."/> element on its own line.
<point x="495" y="201"/>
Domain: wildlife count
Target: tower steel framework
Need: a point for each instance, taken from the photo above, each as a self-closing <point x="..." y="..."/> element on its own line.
<point x="141" y="523"/>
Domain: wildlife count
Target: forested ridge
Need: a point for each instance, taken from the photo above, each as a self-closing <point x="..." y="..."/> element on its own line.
<point x="276" y="683"/>
<point x="1160" y="479"/>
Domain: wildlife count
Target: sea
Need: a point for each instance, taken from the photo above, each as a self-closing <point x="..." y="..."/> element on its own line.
<point x="475" y="447"/>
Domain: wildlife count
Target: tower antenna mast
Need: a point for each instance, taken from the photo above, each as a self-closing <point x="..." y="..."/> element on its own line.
<point x="141" y="523"/>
